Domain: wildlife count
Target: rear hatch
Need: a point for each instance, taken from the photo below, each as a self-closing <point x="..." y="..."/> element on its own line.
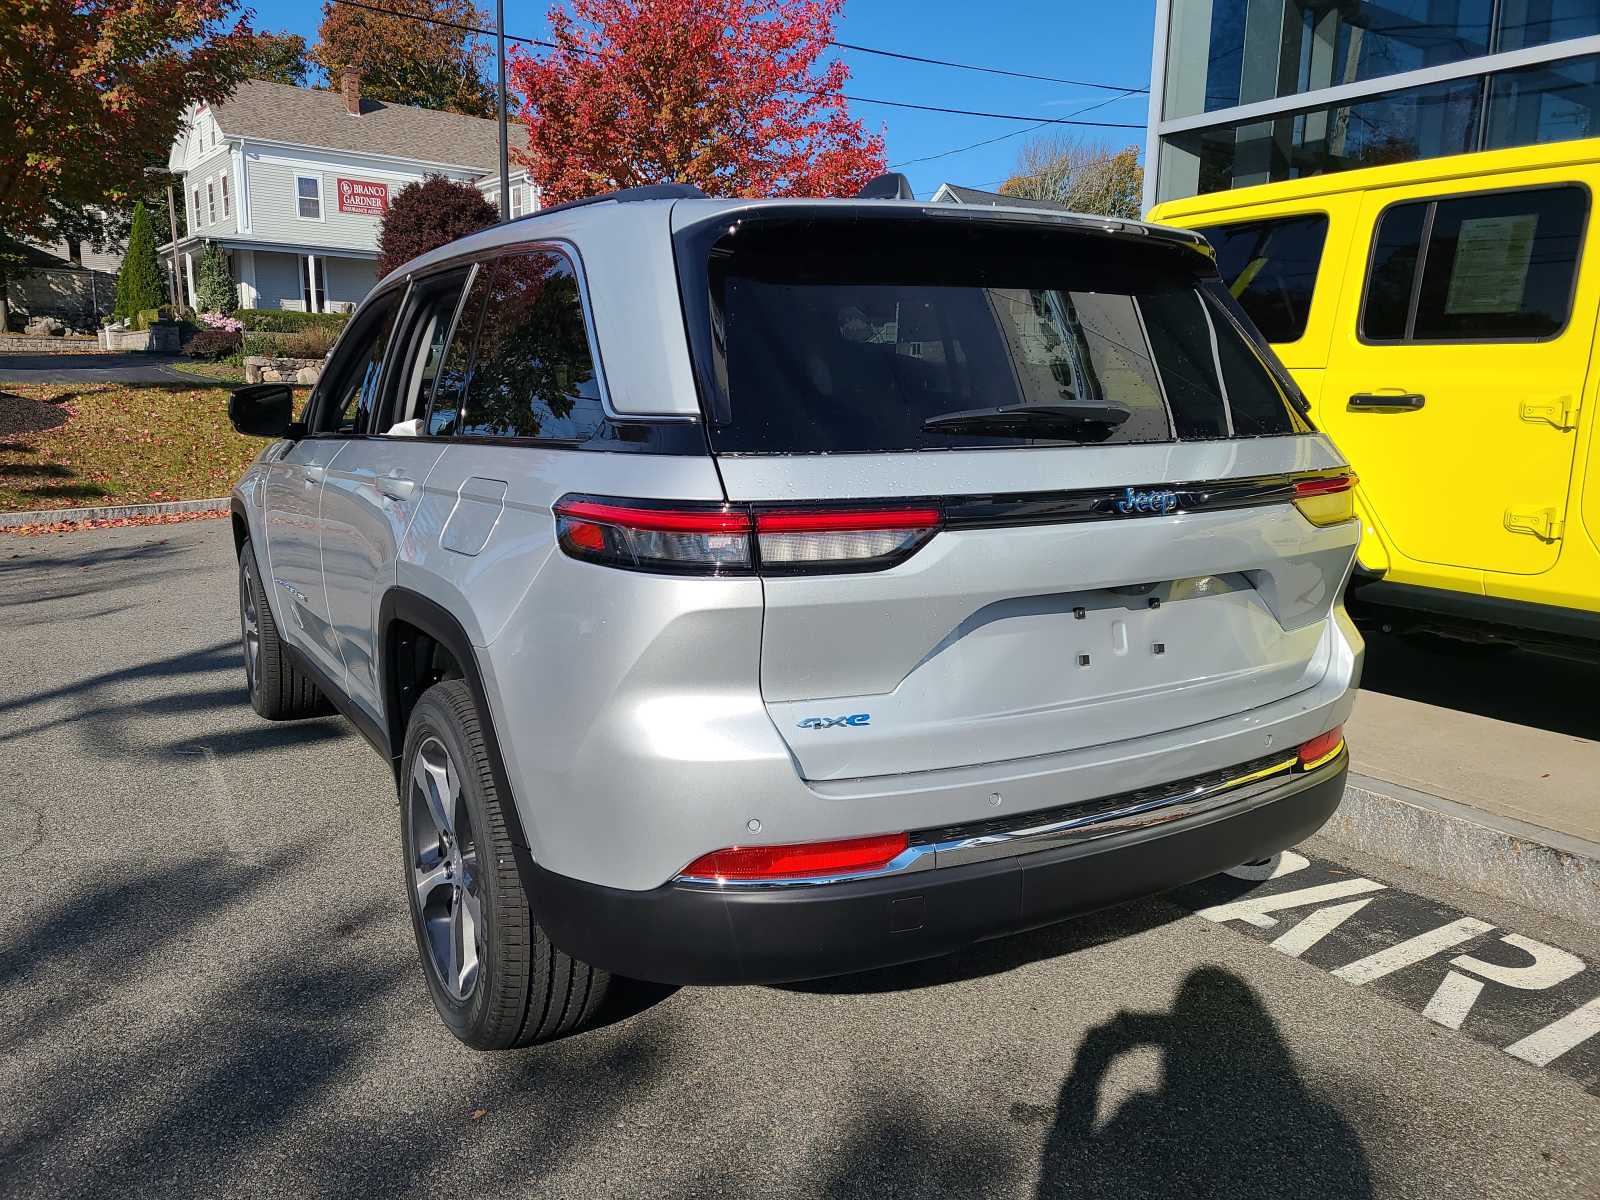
<point x="1029" y="486"/>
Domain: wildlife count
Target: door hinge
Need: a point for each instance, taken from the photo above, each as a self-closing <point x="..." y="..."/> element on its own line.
<point x="1543" y="523"/>
<point x="1561" y="411"/>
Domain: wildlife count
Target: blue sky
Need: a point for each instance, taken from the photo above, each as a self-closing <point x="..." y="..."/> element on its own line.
<point x="1073" y="39"/>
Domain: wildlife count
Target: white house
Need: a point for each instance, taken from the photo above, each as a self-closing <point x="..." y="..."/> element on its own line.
<point x="293" y="183"/>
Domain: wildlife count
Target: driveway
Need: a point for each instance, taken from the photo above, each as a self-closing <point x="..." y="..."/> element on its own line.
<point x="97" y="368"/>
<point x="210" y="988"/>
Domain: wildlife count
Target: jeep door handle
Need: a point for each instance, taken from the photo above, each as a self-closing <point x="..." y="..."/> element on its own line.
<point x="1386" y="402"/>
<point x="396" y="488"/>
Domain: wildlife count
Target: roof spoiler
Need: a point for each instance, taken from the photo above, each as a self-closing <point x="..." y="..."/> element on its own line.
<point x="891" y="186"/>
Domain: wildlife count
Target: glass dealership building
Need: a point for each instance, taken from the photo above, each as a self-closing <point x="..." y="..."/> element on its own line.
<point x="1255" y="91"/>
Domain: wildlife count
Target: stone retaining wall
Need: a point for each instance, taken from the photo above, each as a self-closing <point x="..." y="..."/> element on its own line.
<point x="259" y="368"/>
<point x="49" y="345"/>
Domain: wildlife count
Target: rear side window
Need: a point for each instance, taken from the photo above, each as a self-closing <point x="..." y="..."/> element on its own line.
<point x="1271" y="269"/>
<point x="1498" y="266"/>
<point x="831" y="336"/>
<point x="533" y="374"/>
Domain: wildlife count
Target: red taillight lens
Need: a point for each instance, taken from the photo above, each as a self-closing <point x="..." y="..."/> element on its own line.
<point x="1319" y="749"/>
<point x="709" y="541"/>
<point x="1323" y="487"/>
<point x="845" y="857"/>
<point x="723" y="540"/>
<point x="856" y="539"/>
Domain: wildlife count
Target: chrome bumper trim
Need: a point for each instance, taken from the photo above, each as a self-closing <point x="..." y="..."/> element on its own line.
<point x="981" y="841"/>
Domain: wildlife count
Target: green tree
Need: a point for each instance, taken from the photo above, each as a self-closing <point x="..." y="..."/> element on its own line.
<point x="409" y="52"/>
<point x="278" y="58"/>
<point x="213" y="282"/>
<point x="139" y="284"/>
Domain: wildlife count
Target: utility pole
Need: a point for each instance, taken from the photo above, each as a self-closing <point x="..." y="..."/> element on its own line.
<point x="500" y="75"/>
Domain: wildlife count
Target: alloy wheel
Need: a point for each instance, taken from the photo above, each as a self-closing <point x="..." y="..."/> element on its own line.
<point x="444" y="869"/>
<point x="250" y="622"/>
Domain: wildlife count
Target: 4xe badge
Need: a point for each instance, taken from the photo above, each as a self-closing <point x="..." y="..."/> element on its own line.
<point x="1158" y="501"/>
<point x="835" y="722"/>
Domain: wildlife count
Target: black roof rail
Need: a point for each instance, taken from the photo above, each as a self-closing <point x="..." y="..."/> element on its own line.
<point x="649" y="191"/>
<point x="890" y="186"/>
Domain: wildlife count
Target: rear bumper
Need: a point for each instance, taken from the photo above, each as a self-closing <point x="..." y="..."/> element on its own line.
<point x="687" y="934"/>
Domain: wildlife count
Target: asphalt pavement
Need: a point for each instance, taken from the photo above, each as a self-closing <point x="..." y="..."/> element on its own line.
<point x="208" y="987"/>
<point x="99" y="368"/>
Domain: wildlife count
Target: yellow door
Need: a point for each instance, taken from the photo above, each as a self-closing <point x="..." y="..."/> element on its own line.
<point x="1457" y="367"/>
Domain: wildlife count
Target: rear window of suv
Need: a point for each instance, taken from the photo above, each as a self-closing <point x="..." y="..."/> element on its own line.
<point x="837" y="336"/>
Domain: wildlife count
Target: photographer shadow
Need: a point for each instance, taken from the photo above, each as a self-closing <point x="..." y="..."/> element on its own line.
<point x="1231" y="1116"/>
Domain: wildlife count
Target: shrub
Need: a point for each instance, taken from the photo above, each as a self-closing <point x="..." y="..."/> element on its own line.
<point x="305" y="343"/>
<point x="214" y="286"/>
<point x="424" y="216"/>
<point x="213" y="320"/>
<point x="283" y="320"/>
<point x="213" y="343"/>
<point x="139" y="282"/>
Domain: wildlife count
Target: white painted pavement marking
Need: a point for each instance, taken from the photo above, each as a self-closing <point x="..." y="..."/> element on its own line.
<point x="1254" y="909"/>
<point x="1284" y="862"/>
<point x="1454" y="1000"/>
<point x="1317" y="926"/>
<point x="1556" y="1038"/>
<point x="1549" y="967"/>
<point x="1412" y="950"/>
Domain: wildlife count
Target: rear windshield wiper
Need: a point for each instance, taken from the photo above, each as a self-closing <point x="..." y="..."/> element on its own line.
<point x="1004" y="419"/>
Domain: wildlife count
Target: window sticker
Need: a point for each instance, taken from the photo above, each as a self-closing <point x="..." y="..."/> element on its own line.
<point x="1490" y="273"/>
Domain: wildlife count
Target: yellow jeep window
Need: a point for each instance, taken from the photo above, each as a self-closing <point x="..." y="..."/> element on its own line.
<point x="1498" y="266"/>
<point x="1271" y="269"/>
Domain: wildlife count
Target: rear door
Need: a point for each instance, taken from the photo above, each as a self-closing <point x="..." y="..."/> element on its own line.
<point x="1126" y="561"/>
<point x="1455" y="379"/>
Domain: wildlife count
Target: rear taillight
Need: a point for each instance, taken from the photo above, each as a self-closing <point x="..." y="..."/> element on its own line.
<point x="641" y="537"/>
<point x="724" y="540"/>
<point x="1322" y="748"/>
<point x="849" y="856"/>
<point x="804" y="540"/>
<point x="1326" y="501"/>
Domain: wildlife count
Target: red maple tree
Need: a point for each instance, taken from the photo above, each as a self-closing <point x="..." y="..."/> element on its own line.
<point x="728" y="95"/>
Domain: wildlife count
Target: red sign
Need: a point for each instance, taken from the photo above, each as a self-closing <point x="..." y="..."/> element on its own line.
<point x="363" y="196"/>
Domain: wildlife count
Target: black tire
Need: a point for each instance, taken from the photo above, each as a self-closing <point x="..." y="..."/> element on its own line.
<point x="461" y="875"/>
<point x="278" y="691"/>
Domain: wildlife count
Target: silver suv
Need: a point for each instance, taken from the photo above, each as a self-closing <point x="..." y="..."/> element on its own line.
<point x="748" y="591"/>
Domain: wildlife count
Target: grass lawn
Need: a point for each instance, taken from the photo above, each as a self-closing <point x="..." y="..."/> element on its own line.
<point x="226" y="372"/>
<point x="119" y="444"/>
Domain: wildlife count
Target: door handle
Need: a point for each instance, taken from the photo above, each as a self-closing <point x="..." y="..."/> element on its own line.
<point x="1386" y="402"/>
<point x="396" y="488"/>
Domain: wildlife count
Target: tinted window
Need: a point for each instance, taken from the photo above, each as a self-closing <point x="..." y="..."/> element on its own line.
<point x="1395" y="251"/>
<point x="352" y="377"/>
<point x="1497" y="266"/>
<point x="532" y="375"/>
<point x="430" y="314"/>
<point x="853" y="349"/>
<point x="1271" y="269"/>
<point x="450" y="381"/>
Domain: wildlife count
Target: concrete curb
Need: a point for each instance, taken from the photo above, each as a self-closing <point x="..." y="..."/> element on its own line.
<point x="49" y="516"/>
<point x="1501" y="856"/>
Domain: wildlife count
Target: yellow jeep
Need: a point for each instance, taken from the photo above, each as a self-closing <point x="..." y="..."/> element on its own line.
<point x="1440" y="318"/>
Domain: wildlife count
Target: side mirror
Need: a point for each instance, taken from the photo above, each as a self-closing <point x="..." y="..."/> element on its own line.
<point x="263" y="410"/>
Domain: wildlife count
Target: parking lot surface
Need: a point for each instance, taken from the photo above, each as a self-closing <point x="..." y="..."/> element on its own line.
<point x="209" y="988"/>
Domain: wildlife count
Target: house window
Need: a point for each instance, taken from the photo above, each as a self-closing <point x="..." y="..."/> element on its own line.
<point x="308" y="196"/>
<point x="227" y="201"/>
<point x="516" y="200"/>
<point x="211" y="202"/>
<point x="196" y="209"/>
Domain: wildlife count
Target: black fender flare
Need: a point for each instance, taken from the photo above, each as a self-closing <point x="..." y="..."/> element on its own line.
<point x="415" y="609"/>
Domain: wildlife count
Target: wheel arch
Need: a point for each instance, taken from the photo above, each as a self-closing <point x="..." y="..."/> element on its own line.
<point x="402" y="615"/>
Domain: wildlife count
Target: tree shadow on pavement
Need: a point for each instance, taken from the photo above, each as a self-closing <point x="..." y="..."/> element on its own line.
<point x="1230" y="1117"/>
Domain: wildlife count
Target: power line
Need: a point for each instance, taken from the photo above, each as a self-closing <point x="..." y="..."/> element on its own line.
<point x="944" y="62"/>
<point x="1014" y="133"/>
<point x="961" y="112"/>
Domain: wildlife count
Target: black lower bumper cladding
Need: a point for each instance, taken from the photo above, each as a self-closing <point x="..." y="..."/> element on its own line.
<point x="682" y="934"/>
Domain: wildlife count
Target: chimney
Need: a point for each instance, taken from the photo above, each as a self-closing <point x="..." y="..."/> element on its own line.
<point x="352" y="91"/>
